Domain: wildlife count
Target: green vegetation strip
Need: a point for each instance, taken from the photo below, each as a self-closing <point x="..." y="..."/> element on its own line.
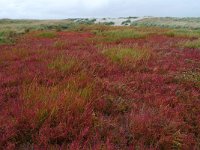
<point x="46" y="35"/>
<point x="117" y="35"/>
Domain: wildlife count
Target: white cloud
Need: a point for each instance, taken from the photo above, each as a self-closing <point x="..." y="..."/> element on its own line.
<point x="97" y="8"/>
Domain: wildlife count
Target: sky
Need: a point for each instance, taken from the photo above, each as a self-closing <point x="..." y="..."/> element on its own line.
<point x="63" y="9"/>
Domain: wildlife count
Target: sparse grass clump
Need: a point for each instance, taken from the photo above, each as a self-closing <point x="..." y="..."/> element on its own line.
<point x="63" y="64"/>
<point x="59" y="44"/>
<point x="190" y="44"/>
<point x="39" y="93"/>
<point x="81" y="84"/>
<point x="186" y="77"/>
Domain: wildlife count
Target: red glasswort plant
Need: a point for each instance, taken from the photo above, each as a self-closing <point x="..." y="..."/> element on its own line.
<point x="64" y="91"/>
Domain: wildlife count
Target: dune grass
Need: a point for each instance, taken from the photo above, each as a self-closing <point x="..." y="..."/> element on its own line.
<point x="169" y="22"/>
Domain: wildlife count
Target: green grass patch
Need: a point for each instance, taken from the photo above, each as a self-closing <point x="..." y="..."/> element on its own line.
<point x="127" y="56"/>
<point x="3" y="40"/>
<point x="46" y="35"/>
<point x="59" y="44"/>
<point x="118" y="35"/>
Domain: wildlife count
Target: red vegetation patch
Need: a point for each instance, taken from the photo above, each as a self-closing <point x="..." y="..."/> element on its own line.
<point x="62" y="92"/>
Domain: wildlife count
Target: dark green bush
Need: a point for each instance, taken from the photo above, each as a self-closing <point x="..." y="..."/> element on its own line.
<point x="126" y="22"/>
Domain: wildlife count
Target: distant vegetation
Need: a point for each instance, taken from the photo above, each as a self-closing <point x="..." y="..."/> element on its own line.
<point x="7" y="37"/>
<point x="85" y="21"/>
<point x="11" y="29"/>
<point x="108" y="23"/>
<point x="127" y="22"/>
<point x="180" y="27"/>
<point x="168" y="22"/>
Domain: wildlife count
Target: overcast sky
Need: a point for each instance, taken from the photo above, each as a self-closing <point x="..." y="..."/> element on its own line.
<point x="61" y="9"/>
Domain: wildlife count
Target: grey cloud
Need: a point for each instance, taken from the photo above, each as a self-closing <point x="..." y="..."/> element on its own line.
<point x="50" y="9"/>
